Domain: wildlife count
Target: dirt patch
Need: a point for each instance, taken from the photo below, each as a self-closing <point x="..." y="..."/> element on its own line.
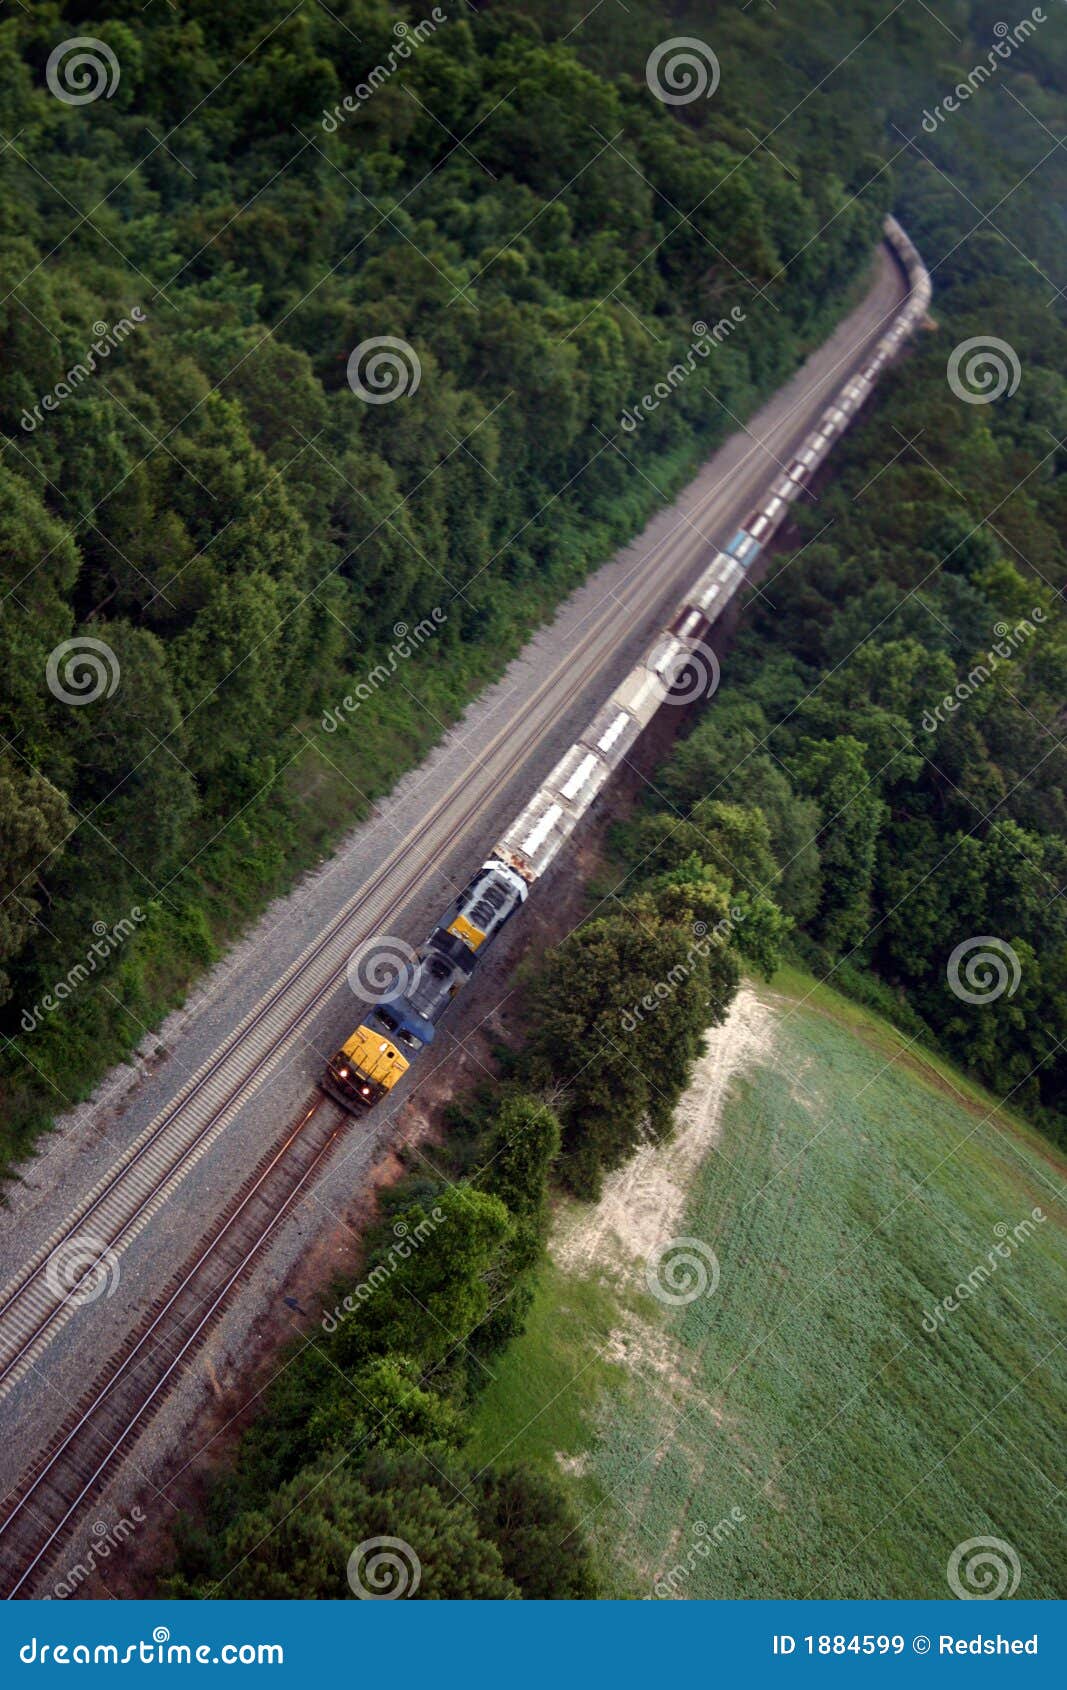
<point x="643" y="1203"/>
<point x="652" y="1353"/>
<point x="577" y="1466"/>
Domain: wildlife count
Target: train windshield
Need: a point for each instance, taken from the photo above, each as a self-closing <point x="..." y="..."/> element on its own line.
<point x="402" y="1034"/>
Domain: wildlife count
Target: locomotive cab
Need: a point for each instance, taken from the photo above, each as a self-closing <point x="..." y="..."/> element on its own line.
<point x="384" y="1045"/>
<point x="377" y="1056"/>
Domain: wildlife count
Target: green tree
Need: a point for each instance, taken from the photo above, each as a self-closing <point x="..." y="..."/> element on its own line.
<point x="834" y="773"/>
<point x="303" y="1541"/>
<point x="530" y="1518"/>
<point x="35" y="820"/>
<point x="429" y="1280"/>
<point x="619" y="1011"/>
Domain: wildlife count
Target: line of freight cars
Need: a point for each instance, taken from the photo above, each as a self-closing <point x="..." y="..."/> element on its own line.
<point x="398" y="1026"/>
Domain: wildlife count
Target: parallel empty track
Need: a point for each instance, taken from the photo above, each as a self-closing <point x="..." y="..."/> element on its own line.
<point x="137" y="1380"/>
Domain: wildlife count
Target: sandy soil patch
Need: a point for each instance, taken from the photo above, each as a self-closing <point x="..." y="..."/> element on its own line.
<point x="576" y="1465"/>
<point x="643" y="1203"/>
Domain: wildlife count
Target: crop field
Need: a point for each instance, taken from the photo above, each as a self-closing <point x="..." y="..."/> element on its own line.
<point x="795" y="1429"/>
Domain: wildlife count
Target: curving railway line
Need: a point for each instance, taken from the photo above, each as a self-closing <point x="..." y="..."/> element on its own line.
<point x="38" y="1301"/>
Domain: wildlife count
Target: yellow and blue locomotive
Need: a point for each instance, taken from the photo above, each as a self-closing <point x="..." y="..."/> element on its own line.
<point x="383" y="1046"/>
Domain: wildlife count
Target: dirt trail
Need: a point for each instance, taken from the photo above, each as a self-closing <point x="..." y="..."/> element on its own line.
<point x="643" y="1203"/>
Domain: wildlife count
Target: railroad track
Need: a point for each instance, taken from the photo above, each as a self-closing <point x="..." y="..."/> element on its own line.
<point x="140" y="1376"/>
<point x="36" y="1302"/>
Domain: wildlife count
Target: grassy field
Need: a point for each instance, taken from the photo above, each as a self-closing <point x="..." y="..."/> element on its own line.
<point x="798" y="1432"/>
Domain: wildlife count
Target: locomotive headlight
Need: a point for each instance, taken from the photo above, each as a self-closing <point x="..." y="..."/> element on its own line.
<point x="342" y="1073"/>
<point x="365" y="1090"/>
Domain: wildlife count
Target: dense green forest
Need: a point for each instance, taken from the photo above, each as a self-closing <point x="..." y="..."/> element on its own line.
<point x="208" y="496"/>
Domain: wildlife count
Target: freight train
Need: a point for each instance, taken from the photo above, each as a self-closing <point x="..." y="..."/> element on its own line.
<point x="397" y="1027"/>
